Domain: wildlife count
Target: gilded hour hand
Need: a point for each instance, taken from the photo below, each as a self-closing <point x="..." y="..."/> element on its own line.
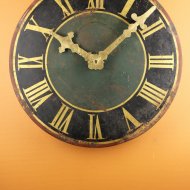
<point x="139" y="21"/>
<point x="67" y="43"/>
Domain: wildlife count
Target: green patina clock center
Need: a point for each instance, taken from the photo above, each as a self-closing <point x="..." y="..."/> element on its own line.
<point x="91" y="90"/>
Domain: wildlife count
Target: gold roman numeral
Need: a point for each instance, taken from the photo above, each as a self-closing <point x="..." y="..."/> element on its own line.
<point x="94" y="130"/>
<point x="129" y="117"/>
<point x="153" y="94"/>
<point x="38" y="94"/>
<point x="96" y="4"/>
<point x="161" y="61"/>
<point x="127" y="7"/>
<point x="30" y="63"/>
<point x="153" y="28"/>
<point x="62" y="119"/>
<point x="66" y="11"/>
<point x="33" y="25"/>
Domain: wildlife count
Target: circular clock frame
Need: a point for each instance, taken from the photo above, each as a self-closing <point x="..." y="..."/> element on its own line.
<point x="142" y="129"/>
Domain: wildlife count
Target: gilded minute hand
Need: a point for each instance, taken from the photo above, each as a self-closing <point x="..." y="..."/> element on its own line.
<point x="140" y="21"/>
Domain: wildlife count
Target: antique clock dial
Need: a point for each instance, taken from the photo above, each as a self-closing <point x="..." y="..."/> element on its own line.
<point x="95" y="72"/>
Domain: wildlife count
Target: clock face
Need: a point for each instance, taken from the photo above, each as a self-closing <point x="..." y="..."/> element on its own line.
<point x="95" y="72"/>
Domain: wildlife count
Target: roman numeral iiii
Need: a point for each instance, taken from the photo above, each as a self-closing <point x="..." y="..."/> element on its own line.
<point x="153" y="94"/>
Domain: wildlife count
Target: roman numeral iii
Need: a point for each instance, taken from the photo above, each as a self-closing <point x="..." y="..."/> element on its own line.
<point x="62" y="119"/>
<point x="94" y="129"/>
<point x="67" y="11"/>
<point x="127" y="7"/>
<point x="33" y="25"/>
<point x="129" y="117"/>
<point x="96" y="4"/>
<point x="38" y="94"/>
<point x="30" y="63"/>
<point x="161" y="61"/>
<point x="153" y="94"/>
<point x="152" y="29"/>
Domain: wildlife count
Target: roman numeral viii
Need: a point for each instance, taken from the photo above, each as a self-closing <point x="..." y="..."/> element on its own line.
<point x="127" y="7"/>
<point x="33" y="25"/>
<point x="129" y="117"/>
<point x="67" y="11"/>
<point x="153" y="28"/>
<point x="30" y="63"/>
<point x="153" y="94"/>
<point x="62" y="119"/>
<point x="96" y="4"/>
<point x="94" y="128"/>
<point x="161" y="61"/>
<point x="38" y="94"/>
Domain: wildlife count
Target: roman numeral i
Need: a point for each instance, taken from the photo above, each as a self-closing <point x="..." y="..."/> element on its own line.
<point x="127" y="7"/>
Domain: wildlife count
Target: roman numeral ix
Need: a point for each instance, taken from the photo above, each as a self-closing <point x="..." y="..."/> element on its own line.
<point x="30" y="63"/>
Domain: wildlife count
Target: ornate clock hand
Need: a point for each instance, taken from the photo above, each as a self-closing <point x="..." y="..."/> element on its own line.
<point x="67" y="43"/>
<point x="99" y="60"/>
